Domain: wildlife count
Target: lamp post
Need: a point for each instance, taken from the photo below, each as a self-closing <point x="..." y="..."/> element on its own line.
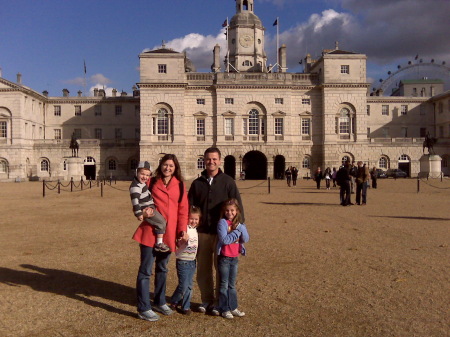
<point x="240" y="163"/>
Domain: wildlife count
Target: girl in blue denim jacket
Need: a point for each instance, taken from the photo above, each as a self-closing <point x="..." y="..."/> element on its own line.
<point x="231" y="235"/>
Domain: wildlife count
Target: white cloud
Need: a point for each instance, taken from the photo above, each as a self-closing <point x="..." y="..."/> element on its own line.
<point x="99" y="78"/>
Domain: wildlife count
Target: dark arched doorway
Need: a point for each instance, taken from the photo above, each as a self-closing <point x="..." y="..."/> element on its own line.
<point x="254" y="164"/>
<point x="229" y="166"/>
<point x="279" y="165"/>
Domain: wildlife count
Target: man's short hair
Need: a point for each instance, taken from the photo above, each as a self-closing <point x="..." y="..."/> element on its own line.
<point x="212" y="150"/>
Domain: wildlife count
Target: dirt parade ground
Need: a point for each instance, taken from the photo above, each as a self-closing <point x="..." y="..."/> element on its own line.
<point x="68" y="265"/>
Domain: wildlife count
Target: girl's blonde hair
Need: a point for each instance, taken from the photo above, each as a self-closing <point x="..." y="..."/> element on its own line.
<point x="195" y="210"/>
<point x="232" y="202"/>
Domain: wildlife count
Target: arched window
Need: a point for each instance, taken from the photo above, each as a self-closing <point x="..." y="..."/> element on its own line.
<point x="306" y="163"/>
<point x="112" y="166"/>
<point x="89" y="160"/>
<point x="383" y="163"/>
<point x="163" y="122"/>
<point x="247" y="63"/>
<point x="200" y="163"/>
<point x="3" y="166"/>
<point x="253" y="122"/>
<point x="345" y="123"/>
<point x="403" y="157"/>
<point x="45" y="165"/>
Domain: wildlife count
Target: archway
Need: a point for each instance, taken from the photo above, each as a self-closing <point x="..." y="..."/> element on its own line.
<point x="230" y="166"/>
<point x="254" y="164"/>
<point x="89" y="168"/>
<point x="279" y="166"/>
<point x="404" y="164"/>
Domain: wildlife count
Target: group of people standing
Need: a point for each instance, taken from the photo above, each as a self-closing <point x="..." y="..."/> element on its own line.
<point x="205" y="227"/>
<point x="349" y="176"/>
<point x="291" y="175"/>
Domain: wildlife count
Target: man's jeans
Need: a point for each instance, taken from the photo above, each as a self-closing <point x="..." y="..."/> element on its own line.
<point x="361" y="188"/>
<point x="148" y="257"/>
<point x="228" y="268"/>
<point x="183" y="292"/>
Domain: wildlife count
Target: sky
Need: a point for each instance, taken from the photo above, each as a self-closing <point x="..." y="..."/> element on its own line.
<point x="50" y="41"/>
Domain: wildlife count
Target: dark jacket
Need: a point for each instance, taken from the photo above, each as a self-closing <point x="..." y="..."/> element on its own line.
<point x="209" y="199"/>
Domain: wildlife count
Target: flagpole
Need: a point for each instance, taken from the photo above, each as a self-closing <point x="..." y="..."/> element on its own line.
<point x="228" y="51"/>
<point x="278" y="56"/>
<point x="84" y="82"/>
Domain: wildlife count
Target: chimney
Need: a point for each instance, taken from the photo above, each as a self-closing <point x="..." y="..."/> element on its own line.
<point x="45" y="93"/>
<point x="123" y="93"/>
<point x="65" y="93"/>
<point x="282" y="57"/>
<point x="114" y="92"/>
<point x="19" y="78"/>
<point x="102" y="93"/>
<point x="95" y="92"/>
<point x="216" y="64"/>
<point x="0" y="72"/>
<point x="79" y="93"/>
<point x="136" y="92"/>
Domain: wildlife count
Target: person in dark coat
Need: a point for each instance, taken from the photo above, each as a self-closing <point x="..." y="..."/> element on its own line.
<point x="318" y="176"/>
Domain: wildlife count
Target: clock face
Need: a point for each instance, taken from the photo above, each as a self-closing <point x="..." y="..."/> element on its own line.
<point x="246" y="40"/>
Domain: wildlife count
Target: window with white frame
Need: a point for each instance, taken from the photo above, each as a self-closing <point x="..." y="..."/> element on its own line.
<point x="385" y="110"/>
<point x="229" y="126"/>
<point x="383" y="163"/>
<point x="118" y="133"/>
<point x="45" y="165"/>
<point x="253" y="122"/>
<point x="3" y="129"/>
<point x="278" y="100"/>
<point x="344" y="121"/>
<point x="98" y="133"/>
<point x="162" y="68"/>
<point x="57" y="110"/>
<point x="57" y="133"/>
<point x="306" y="163"/>
<point x="345" y="69"/>
<point x="162" y="122"/>
<point x="229" y="100"/>
<point x="77" y="110"/>
<point x="200" y="129"/>
<point x="112" y="165"/>
<point x="3" y="166"/>
<point x="200" y="163"/>
<point x="98" y="110"/>
<point x="77" y="133"/>
<point x="279" y="127"/>
<point x="118" y="110"/>
<point x="201" y="101"/>
<point x="403" y="158"/>
<point x="404" y="110"/>
<point x="306" y="101"/>
<point x="306" y="126"/>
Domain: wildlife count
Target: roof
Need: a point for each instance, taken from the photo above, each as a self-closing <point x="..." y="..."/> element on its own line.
<point x="423" y="80"/>
<point x="341" y="52"/>
<point x="245" y="19"/>
<point x="162" y="51"/>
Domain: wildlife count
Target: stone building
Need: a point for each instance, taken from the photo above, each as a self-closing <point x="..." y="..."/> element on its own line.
<point x="264" y="119"/>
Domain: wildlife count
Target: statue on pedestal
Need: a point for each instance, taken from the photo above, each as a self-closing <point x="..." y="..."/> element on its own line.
<point x="428" y="143"/>
<point x="74" y="145"/>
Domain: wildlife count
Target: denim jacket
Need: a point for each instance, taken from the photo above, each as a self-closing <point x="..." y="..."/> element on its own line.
<point x="225" y="238"/>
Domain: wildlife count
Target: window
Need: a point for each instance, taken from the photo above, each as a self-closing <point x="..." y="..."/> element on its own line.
<point x="3" y="130"/>
<point x="422" y="109"/>
<point x="98" y="133"/>
<point x="279" y="126"/>
<point x="201" y="101"/>
<point x="383" y="163"/>
<point x="162" y="68"/>
<point x="118" y="110"/>
<point x="306" y="126"/>
<point x="98" y="110"/>
<point x="414" y="93"/>
<point x="57" y="110"/>
<point x="200" y="163"/>
<point x="112" y="166"/>
<point x="57" y="133"/>
<point x="247" y="63"/>
<point x="404" y="132"/>
<point x="200" y="127"/>
<point x="278" y="100"/>
<point x="163" y="122"/>
<point x="423" y="132"/>
<point x="368" y="132"/>
<point x="385" y="110"/>
<point x="403" y="157"/>
<point x="404" y="110"/>
<point x="385" y="132"/>
<point x="3" y="166"/>
<point x="118" y="133"/>
<point x="65" y="165"/>
<point x="345" y="69"/>
<point x="306" y="101"/>
<point x="229" y="126"/>
<point x="253" y="127"/>
<point x="440" y="107"/>
<point x="77" y="133"/>
<point x="229" y="100"/>
<point x="368" y="110"/>
<point x="45" y="165"/>
<point x="245" y="126"/>
<point x="306" y="163"/>
<point x="344" y="121"/>
<point x="77" y="110"/>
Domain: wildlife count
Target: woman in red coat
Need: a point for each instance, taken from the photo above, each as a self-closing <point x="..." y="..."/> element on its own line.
<point x="169" y="195"/>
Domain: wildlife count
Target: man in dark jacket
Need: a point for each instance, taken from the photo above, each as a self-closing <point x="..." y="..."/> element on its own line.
<point x="208" y="192"/>
<point x="343" y="179"/>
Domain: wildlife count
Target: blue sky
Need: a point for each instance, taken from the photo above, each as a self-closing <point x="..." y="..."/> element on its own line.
<point x="47" y="41"/>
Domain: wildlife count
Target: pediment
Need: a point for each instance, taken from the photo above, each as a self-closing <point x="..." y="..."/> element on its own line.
<point x="305" y="113"/>
<point x="229" y="113"/>
<point x="200" y="114"/>
<point x="5" y="84"/>
<point x="279" y="113"/>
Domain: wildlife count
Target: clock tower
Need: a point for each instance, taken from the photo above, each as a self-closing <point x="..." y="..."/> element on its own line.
<point x="246" y="40"/>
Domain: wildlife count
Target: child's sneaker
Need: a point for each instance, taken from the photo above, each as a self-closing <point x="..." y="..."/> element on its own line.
<point x="227" y="315"/>
<point x="236" y="312"/>
<point x="161" y="247"/>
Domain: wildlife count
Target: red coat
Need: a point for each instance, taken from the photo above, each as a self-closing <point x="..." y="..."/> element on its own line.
<point x="176" y="214"/>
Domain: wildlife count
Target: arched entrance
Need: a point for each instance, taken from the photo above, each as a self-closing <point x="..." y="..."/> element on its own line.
<point x="404" y="164"/>
<point x="254" y="164"/>
<point x="229" y="166"/>
<point x="279" y="166"/>
<point x="89" y="168"/>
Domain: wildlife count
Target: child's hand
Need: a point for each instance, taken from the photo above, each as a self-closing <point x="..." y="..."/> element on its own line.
<point x="140" y="217"/>
<point x="183" y="238"/>
<point x="148" y="212"/>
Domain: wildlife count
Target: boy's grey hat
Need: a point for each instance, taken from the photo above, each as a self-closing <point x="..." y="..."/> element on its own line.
<point x="144" y="165"/>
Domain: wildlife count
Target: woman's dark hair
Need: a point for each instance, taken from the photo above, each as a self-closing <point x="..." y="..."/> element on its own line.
<point x="232" y="202"/>
<point x="176" y="172"/>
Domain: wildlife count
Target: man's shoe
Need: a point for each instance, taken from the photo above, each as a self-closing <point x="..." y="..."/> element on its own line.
<point x="148" y="315"/>
<point x="163" y="309"/>
<point x="202" y="308"/>
<point x="227" y="315"/>
<point x="236" y="312"/>
<point x="212" y="311"/>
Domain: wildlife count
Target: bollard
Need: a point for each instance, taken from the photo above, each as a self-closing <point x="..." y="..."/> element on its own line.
<point x="101" y="190"/>
<point x="71" y="184"/>
<point x="418" y="185"/>
<point x="43" y="188"/>
<point x="268" y="180"/>
<point x="59" y="187"/>
<point x="90" y="183"/>
<point x="81" y="183"/>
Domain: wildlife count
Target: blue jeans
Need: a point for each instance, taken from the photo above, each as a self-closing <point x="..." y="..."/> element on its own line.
<point x="148" y="256"/>
<point x="228" y="268"/>
<point x="361" y="189"/>
<point x="183" y="292"/>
